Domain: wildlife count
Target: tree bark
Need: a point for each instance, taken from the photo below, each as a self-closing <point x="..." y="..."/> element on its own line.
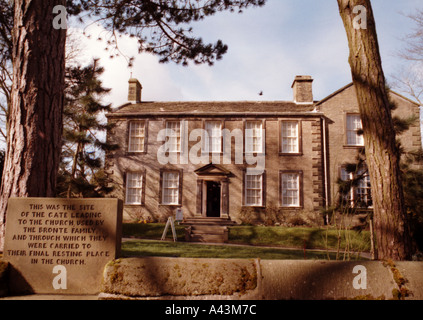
<point x="382" y="154"/>
<point x="35" y="122"/>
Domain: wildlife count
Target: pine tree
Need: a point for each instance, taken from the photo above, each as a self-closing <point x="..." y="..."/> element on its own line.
<point x="81" y="171"/>
<point x="36" y="103"/>
<point x="411" y="176"/>
<point x="383" y="157"/>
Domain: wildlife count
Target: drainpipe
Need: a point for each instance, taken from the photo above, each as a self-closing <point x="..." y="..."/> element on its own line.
<point x="325" y="163"/>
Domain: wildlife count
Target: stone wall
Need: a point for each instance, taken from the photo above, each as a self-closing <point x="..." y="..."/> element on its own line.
<point x="336" y="108"/>
<point x="309" y="162"/>
<point x="219" y="279"/>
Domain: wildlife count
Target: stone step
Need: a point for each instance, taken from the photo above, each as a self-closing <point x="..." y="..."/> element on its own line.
<point x="220" y="230"/>
<point x="208" y="221"/>
<point x="207" y="230"/>
<point x="207" y="238"/>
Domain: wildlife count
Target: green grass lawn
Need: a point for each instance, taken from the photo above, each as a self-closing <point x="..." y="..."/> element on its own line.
<point x="151" y="248"/>
<point x="252" y="237"/>
<point x="152" y="231"/>
<point x="300" y="237"/>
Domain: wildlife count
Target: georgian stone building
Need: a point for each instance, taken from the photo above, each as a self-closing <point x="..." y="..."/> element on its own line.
<point x="223" y="159"/>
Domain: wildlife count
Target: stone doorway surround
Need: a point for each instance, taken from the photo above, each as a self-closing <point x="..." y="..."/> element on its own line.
<point x="208" y="176"/>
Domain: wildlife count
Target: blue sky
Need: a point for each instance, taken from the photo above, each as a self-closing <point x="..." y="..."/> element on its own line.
<point x="268" y="47"/>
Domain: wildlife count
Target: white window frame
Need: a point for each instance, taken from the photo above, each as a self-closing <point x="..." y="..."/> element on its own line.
<point x="167" y="187"/>
<point x="254" y="136"/>
<point x="174" y="134"/>
<point x="137" y="135"/>
<point x="363" y="188"/>
<point x="289" y="192"/>
<point x="213" y="143"/>
<point x="348" y="176"/>
<point x="253" y="184"/>
<point x="134" y="188"/>
<point x="290" y="138"/>
<point x="353" y="125"/>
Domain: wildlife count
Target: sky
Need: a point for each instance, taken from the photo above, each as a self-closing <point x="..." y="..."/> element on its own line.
<point x="268" y="47"/>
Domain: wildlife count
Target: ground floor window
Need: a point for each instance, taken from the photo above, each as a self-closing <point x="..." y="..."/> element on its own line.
<point x="291" y="189"/>
<point x="170" y="188"/>
<point x="355" y="189"/>
<point x="134" y="187"/>
<point x="253" y="190"/>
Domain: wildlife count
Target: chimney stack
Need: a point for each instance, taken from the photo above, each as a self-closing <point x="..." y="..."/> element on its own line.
<point x="303" y="89"/>
<point x="134" y="92"/>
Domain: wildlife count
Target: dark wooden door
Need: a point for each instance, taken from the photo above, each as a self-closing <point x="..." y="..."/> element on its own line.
<point x="213" y="199"/>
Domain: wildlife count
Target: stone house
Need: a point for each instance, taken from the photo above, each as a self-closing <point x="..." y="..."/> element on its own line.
<point x="238" y="161"/>
<point x="344" y="140"/>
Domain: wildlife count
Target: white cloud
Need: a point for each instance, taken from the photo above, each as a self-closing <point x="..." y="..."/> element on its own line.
<point x="154" y="77"/>
<point x="267" y="47"/>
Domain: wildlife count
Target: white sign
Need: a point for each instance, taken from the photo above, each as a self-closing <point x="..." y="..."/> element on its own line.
<point x="179" y="215"/>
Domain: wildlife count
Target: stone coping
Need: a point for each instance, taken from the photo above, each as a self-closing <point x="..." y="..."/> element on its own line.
<point x="227" y="279"/>
<point x="157" y="278"/>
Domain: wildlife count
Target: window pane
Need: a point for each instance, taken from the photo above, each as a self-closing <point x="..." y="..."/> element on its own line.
<point x="254" y="136"/>
<point x="253" y="190"/>
<point x="170" y="188"/>
<point x="290" y="137"/>
<point x="136" y="136"/>
<point x="290" y="190"/>
<point x="345" y="175"/>
<point x="364" y="191"/>
<point x="346" y="193"/>
<point x="173" y="131"/>
<point x="353" y="126"/>
<point x="134" y="182"/>
<point x="214" y="131"/>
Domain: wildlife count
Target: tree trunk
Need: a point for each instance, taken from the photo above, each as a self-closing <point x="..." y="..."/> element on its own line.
<point x="383" y="157"/>
<point x="74" y="167"/>
<point x="35" y="122"/>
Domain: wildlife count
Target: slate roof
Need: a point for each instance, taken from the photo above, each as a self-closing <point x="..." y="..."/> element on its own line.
<point x="214" y="108"/>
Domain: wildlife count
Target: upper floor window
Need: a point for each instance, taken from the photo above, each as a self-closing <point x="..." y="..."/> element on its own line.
<point x="290" y="137"/>
<point x="354" y="130"/>
<point x="214" y="141"/>
<point x="136" y="136"/>
<point x="254" y="137"/>
<point x="173" y="131"/>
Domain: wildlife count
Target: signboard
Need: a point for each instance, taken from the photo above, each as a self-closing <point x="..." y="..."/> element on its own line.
<point x="60" y="246"/>
<point x="179" y="215"/>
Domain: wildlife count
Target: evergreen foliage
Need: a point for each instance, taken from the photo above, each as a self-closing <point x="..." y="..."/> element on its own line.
<point x="412" y="178"/>
<point x="6" y="24"/>
<point x="161" y="27"/>
<point x="81" y="171"/>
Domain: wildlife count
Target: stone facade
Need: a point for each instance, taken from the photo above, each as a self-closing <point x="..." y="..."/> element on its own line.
<point x="296" y="148"/>
<point x="336" y="108"/>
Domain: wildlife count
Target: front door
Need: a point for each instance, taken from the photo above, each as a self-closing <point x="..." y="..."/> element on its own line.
<point x="213" y="199"/>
